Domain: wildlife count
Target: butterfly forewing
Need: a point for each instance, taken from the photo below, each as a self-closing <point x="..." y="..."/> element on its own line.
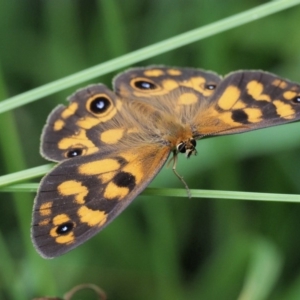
<point x="82" y="195"/>
<point x="75" y="128"/>
<point x="248" y="100"/>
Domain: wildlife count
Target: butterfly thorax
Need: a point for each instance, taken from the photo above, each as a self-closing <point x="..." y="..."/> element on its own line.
<point x="160" y="126"/>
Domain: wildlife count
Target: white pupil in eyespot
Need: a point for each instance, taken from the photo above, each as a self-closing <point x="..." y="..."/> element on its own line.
<point x="146" y="85"/>
<point x="100" y="104"/>
<point x="64" y="228"/>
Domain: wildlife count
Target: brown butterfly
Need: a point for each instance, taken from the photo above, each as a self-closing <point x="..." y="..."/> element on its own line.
<point x="110" y="145"/>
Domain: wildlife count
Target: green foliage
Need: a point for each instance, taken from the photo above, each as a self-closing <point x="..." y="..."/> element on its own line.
<point x="160" y="247"/>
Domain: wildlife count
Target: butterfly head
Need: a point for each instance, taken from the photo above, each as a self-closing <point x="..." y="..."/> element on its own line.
<point x="188" y="147"/>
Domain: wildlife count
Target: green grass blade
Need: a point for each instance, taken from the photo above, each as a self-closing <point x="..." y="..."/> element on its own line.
<point x="25" y="174"/>
<point x="223" y="195"/>
<point x="147" y="52"/>
<point x="211" y="194"/>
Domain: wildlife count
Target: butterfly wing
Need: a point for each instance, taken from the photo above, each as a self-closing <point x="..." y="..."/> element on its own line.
<point x="108" y="157"/>
<point x="83" y="194"/>
<point x="248" y="100"/>
<point x="76" y="129"/>
<point x="169" y="90"/>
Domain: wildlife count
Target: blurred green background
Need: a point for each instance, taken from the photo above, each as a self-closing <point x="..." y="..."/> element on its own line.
<point x="159" y="248"/>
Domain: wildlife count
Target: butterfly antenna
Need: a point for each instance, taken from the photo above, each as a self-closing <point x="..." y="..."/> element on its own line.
<point x="175" y="158"/>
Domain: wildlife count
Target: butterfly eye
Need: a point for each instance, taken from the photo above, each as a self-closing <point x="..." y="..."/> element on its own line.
<point x="99" y="105"/>
<point x="193" y="142"/>
<point x="74" y="152"/>
<point x="181" y="147"/>
<point x="64" y="228"/>
<point x="210" y="87"/>
<point x="296" y="99"/>
<point x="145" y="85"/>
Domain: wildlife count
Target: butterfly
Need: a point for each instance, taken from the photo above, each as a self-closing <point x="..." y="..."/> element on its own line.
<point x="111" y="144"/>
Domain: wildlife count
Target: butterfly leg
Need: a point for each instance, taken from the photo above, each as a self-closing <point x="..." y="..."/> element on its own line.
<point x="175" y="158"/>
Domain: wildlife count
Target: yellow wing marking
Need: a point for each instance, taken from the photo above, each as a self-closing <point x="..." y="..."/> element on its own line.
<point x="108" y="176"/>
<point x="284" y="110"/>
<point x="279" y="83"/>
<point x="79" y="138"/>
<point x="239" y="105"/>
<point x="45" y="209"/>
<point x="91" y="217"/>
<point x="174" y="72"/>
<point x="227" y="118"/>
<point x="113" y="191"/>
<point x="187" y="99"/>
<point x="99" y="167"/>
<point x="169" y="85"/>
<point x="230" y="96"/>
<point x="73" y="187"/>
<point x="153" y="73"/>
<point x="255" y="89"/>
<point x="70" y="110"/>
<point x="89" y="122"/>
<point x="198" y="84"/>
<point x="112" y="136"/>
<point x="137" y="167"/>
<point x="63" y="239"/>
<point x="44" y="222"/>
<point x="58" y="125"/>
<point x="254" y="114"/>
<point x="289" y="95"/>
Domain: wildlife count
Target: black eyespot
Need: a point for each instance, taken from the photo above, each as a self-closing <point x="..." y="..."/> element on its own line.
<point x="296" y="99"/>
<point x="65" y="228"/>
<point x="145" y="85"/>
<point x="74" y="152"/>
<point x="181" y="147"/>
<point x="193" y="142"/>
<point x="99" y="105"/>
<point x="210" y="86"/>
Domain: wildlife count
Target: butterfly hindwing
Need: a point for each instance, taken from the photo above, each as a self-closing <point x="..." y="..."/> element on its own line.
<point x="166" y="89"/>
